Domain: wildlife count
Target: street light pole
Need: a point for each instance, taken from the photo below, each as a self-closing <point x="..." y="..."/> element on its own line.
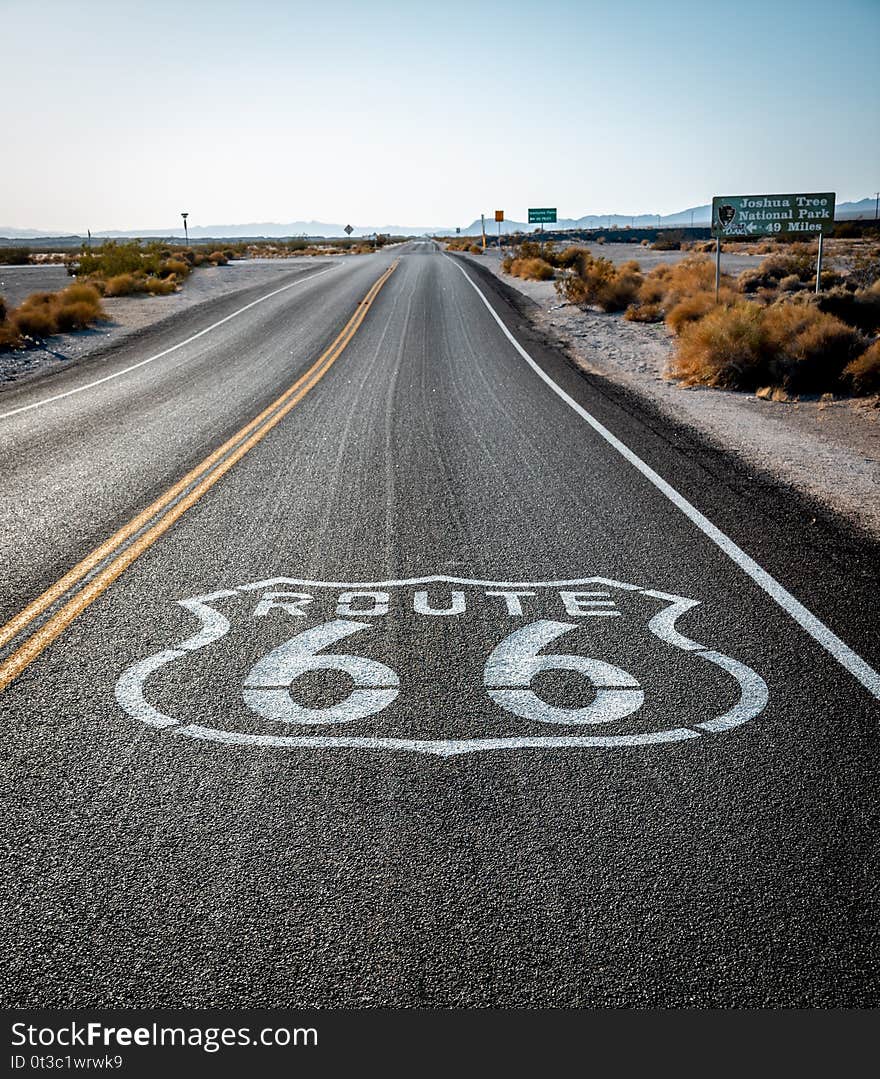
<point x="185" y="215"/>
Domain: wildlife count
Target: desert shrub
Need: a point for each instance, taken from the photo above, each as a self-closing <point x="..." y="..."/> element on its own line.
<point x="860" y="309"/>
<point x="807" y="349"/>
<point x="703" y="247"/>
<point x="9" y="336"/>
<point x="218" y="258"/>
<point x="751" y="280"/>
<point x="621" y="291"/>
<point x="532" y="269"/>
<point x="668" y="285"/>
<point x="726" y="348"/>
<point x="644" y="312"/>
<point x="865" y="270"/>
<point x="531" y="249"/>
<point x="863" y="373"/>
<point x="797" y="262"/>
<point x="507" y="263"/>
<point x="597" y="281"/>
<point x="75" y="316"/>
<point x="600" y="240"/>
<point x="3" y="308"/>
<point x="670" y="241"/>
<point x="34" y="319"/>
<point x="792" y="283"/>
<point x="475" y="249"/>
<point x="110" y="259"/>
<point x="744" y="346"/>
<point x="689" y="309"/>
<point x="124" y="284"/>
<point x="646" y="243"/>
<point x="160" y="286"/>
<point x="568" y="258"/>
<point x="177" y="267"/>
<point x="81" y="294"/>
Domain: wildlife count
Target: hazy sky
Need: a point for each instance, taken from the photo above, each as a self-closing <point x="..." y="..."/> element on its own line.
<point x="120" y="115"/>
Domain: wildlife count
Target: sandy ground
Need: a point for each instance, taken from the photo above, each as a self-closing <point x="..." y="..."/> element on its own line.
<point x="829" y="450"/>
<point x="648" y="259"/>
<point x="126" y="314"/>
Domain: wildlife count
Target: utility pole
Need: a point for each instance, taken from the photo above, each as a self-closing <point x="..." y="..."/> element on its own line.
<point x="184" y="214"/>
<point x="877" y="206"/>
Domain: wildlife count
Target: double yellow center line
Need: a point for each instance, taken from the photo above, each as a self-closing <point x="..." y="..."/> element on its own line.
<point x="92" y="576"/>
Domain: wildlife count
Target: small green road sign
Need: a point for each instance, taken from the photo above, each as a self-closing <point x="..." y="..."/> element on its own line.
<point x="542" y="215"/>
<point x="773" y="215"/>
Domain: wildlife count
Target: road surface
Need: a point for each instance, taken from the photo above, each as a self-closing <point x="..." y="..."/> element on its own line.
<point x="360" y="651"/>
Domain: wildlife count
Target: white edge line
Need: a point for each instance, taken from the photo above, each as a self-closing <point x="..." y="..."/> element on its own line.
<point x="845" y="656"/>
<point x="165" y="352"/>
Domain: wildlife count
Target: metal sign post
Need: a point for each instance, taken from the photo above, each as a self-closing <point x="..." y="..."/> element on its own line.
<point x="819" y="267"/>
<point x="483" y="230"/>
<point x="499" y="217"/>
<point x="717" y="267"/>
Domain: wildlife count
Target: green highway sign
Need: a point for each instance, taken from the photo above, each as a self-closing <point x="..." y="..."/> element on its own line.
<point x="769" y="215"/>
<point x="542" y="215"/>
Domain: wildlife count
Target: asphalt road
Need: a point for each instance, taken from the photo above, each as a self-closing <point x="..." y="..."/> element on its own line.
<point x="434" y="686"/>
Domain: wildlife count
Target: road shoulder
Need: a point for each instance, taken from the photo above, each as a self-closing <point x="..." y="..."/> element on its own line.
<point x="827" y="451"/>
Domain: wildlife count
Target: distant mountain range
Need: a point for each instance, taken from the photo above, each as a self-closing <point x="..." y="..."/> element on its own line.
<point x="695" y="215"/>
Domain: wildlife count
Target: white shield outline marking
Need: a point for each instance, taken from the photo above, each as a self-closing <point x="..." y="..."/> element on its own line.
<point x="754" y="693"/>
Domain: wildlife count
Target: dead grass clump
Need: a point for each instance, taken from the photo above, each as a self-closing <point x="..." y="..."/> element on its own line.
<point x="124" y="284"/>
<point x="75" y="316"/>
<point x="669" y="285"/>
<point x="744" y="346"/>
<point x="568" y="257"/>
<point x="178" y="267"/>
<point x="621" y="291"/>
<point x="161" y="286"/>
<point x="475" y="249"/>
<point x="807" y="350"/>
<point x="798" y="262"/>
<point x="532" y="269"/>
<point x="34" y="322"/>
<point x="43" y="314"/>
<point x="863" y="373"/>
<point x="598" y="282"/>
<point x="860" y="309"/>
<point x="84" y="293"/>
<point x="726" y="348"/>
<point x="644" y="312"/>
<point x="9" y="336"/>
<point x="691" y="309"/>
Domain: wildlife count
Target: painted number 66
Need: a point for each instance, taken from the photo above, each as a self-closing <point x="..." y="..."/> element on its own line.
<point x="508" y="674"/>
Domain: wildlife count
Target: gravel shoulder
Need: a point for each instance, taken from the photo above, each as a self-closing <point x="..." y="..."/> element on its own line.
<point x="828" y="450"/>
<point x="128" y="315"/>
